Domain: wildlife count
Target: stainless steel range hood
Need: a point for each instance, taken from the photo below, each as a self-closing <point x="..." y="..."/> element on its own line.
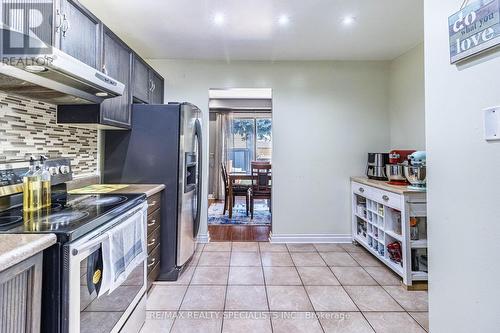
<point x="58" y="79"/>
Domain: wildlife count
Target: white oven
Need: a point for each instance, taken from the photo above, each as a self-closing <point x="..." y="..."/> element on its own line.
<point x="83" y="310"/>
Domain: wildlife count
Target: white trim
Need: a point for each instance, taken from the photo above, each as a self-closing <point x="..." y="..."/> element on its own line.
<point x="203" y="239"/>
<point x="310" y="238"/>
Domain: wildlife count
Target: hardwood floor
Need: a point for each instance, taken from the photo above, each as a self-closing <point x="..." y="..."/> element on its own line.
<point x="239" y="233"/>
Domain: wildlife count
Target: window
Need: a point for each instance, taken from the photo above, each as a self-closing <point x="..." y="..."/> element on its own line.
<point x="251" y="140"/>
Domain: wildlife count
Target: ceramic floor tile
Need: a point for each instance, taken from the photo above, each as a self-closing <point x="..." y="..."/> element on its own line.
<point x="163" y="297"/>
<point x="269" y="247"/>
<point x="210" y="275"/>
<point x="330" y="298"/>
<point x="422" y="318"/>
<point x="366" y="259"/>
<point x="307" y="259"/>
<point x="393" y="322"/>
<point x="245" y="259"/>
<point x="288" y="298"/>
<point x="344" y="322"/>
<point x="351" y="248"/>
<point x="204" y="298"/>
<point x="339" y="259"/>
<point x="189" y="322"/>
<point x="276" y="259"/>
<point x="246" y="276"/>
<point x="281" y="276"/>
<point x="246" y="323"/>
<point x="303" y="322"/>
<point x="245" y="247"/>
<point x="353" y="276"/>
<point x="301" y="248"/>
<point x="217" y="247"/>
<point x="372" y="298"/>
<point x="384" y="276"/>
<point x="317" y="276"/>
<point x="214" y="259"/>
<point x="409" y="300"/>
<point x="246" y="298"/>
<point x="326" y="247"/>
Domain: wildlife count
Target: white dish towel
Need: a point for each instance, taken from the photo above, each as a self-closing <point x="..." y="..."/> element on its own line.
<point x="123" y="249"/>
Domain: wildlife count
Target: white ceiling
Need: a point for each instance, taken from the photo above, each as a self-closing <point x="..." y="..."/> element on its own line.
<point x="185" y="29"/>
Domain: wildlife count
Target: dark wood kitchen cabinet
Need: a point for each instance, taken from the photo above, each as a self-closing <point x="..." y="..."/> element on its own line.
<point x="153" y="243"/>
<point x="147" y="84"/>
<point x="78" y="32"/>
<point x="117" y="63"/>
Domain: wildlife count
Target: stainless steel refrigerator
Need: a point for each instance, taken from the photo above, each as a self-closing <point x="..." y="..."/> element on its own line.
<point x="164" y="146"/>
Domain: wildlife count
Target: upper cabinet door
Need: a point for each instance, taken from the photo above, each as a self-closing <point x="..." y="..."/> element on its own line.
<point x="156" y="88"/>
<point x="141" y="83"/>
<point x="117" y="63"/>
<point x="79" y="33"/>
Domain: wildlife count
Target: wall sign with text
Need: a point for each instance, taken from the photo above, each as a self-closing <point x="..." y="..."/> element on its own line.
<point x="474" y="29"/>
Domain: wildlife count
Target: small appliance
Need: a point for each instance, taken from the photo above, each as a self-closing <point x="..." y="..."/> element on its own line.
<point x="395" y="170"/>
<point x="416" y="172"/>
<point x="375" y="168"/>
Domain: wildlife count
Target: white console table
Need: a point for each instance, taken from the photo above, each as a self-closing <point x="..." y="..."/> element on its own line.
<point x="381" y="215"/>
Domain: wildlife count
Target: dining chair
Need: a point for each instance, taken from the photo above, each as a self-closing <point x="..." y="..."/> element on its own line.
<point x="238" y="191"/>
<point x="261" y="186"/>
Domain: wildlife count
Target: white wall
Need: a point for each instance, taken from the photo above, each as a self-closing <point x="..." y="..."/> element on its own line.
<point x="326" y="117"/>
<point x="407" y="100"/>
<point x="464" y="174"/>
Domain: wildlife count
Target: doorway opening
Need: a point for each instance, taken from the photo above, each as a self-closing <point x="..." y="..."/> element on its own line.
<point x="240" y="164"/>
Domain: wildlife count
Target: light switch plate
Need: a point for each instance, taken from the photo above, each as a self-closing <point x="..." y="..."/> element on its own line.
<point x="492" y="123"/>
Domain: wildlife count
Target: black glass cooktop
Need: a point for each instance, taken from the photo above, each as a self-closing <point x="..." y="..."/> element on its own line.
<point x="70" y="217"/>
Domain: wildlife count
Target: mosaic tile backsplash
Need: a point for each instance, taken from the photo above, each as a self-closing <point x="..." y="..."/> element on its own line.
<point x="29" y="127"/>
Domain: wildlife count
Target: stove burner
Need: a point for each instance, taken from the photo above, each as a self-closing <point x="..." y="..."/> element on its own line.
<point x="65" y="217"/>
<point x="9" y="220"/>
<point x="108" y="201"/>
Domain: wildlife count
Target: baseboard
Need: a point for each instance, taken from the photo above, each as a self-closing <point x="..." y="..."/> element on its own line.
<point x="203" y="239"/>
<point x="310" y="238"/>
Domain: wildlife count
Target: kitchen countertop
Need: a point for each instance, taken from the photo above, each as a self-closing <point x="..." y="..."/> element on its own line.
<point x="16" y="248"/>
<point x="383" y="185"/>
<point x="148" y="189"/>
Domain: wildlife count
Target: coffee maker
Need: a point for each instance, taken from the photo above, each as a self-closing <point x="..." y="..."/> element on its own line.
<point x="375" y="168"/>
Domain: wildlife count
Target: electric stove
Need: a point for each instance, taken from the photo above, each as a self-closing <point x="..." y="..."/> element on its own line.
<point x="69" y="217"/>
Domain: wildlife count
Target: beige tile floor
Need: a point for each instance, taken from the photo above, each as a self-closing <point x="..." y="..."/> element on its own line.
<point x="262" y="287"/>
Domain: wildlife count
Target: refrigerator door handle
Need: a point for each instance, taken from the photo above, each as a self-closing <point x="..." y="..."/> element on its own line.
<point x="199" y="143"/>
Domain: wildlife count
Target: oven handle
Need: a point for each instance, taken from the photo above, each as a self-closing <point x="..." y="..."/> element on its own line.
<point x="98" y="239"/>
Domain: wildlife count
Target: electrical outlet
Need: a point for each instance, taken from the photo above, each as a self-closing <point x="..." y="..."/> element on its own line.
<point x="492" y="123"/>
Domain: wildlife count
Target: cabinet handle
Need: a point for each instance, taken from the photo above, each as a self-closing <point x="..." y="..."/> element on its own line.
<point x="104" y="69"/>
<point x="153" y="261"/>
<point x="385" y="197"/>
<point x="153" y="241"/>
<point x="361" y="189"/>
<point x="153" y="222"/>
<point x="151" y="85"/>
<point x="152" y="204"/>
<point x="58" y="21"/>
<point x="65" y="25"/>
<point x="154" y="87"/>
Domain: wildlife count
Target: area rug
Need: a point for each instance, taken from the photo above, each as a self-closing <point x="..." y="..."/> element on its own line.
<point x="261" y="215"/>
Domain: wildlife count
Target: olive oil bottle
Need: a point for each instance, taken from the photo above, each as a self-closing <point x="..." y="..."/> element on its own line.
<point x="46" y="184"/>
<point x="32" y="188"/>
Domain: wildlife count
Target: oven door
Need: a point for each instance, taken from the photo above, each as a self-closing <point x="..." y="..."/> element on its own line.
<point x="86" y="309"/>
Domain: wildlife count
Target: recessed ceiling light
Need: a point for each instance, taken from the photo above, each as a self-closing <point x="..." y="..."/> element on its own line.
<point x="101" y="94"/>
<point x="219" y="18"/>
<point x="348" y="20"/>
<point x="283" y="19"/>
<point x="35" y="69"/>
